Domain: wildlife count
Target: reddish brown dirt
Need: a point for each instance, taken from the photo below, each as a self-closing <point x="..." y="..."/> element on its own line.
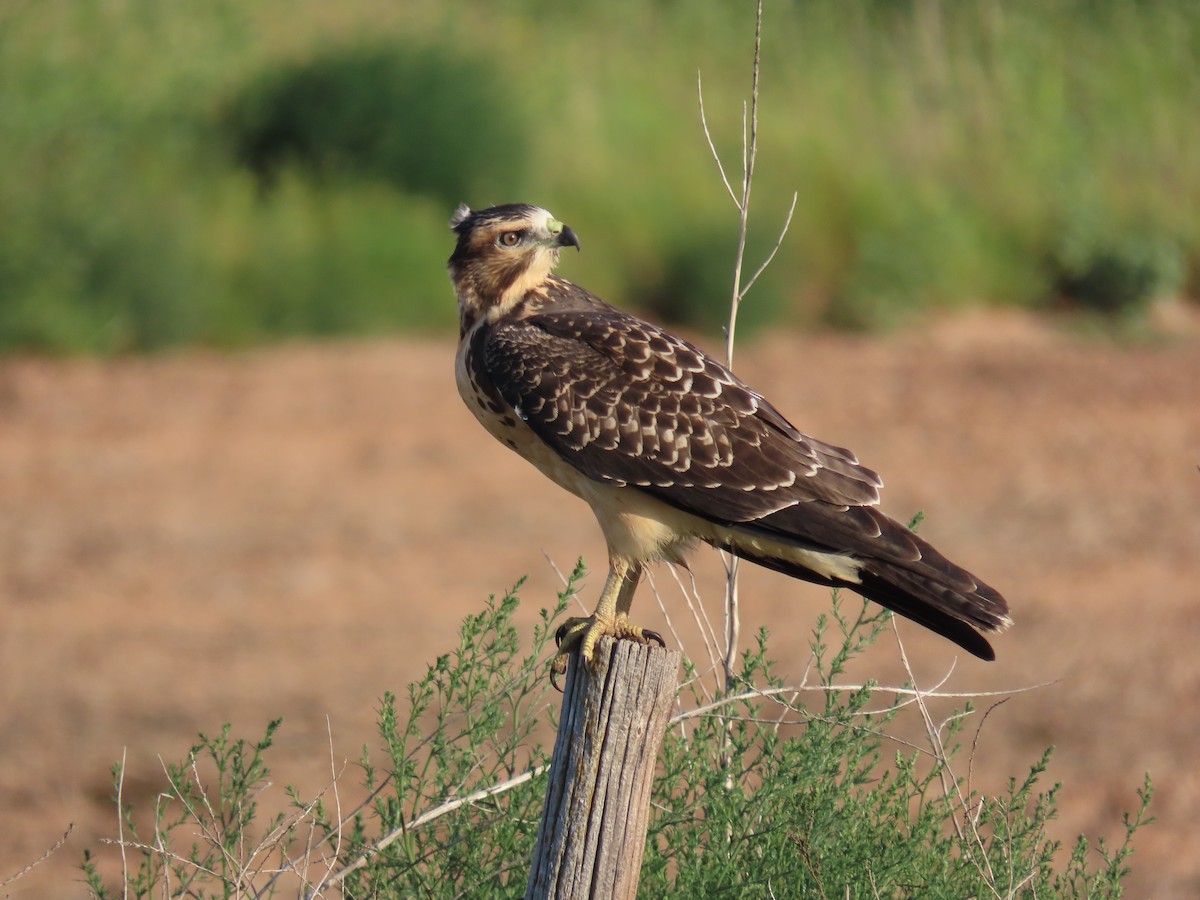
<point x="196" y="539"/>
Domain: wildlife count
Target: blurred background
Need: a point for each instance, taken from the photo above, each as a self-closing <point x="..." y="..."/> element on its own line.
<point x="988" y="291"/>
<point x="224" y="173"/>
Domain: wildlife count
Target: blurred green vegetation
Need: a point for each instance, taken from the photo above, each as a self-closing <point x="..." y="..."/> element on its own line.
<point x="229" y="172"/>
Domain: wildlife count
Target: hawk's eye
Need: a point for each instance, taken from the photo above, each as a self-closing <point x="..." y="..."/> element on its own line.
<point x="511" y="238"/>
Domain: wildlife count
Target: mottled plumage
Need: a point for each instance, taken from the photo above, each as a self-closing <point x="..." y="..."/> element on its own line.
<point x="668" y="446"/>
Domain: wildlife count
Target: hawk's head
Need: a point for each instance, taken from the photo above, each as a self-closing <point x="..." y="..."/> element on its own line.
<point x="502" y="254"/>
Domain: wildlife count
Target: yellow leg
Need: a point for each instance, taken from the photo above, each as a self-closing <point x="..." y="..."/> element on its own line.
<point x="611" y="617"/>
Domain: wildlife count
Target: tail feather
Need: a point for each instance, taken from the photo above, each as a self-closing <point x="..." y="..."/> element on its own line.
<point x="946" y="607"/>
<point x="864" y="550"/>
<point x="958" y="617"/>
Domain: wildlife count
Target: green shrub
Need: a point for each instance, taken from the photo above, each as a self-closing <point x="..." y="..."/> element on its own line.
<point x="1116" y="274"/>
<point x="741" y="808"/>
<point x="419" y="118"/>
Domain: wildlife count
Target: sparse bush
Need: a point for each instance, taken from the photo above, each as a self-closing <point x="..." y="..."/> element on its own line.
<point x="419" y="118"/>
<point x="741" y="808"/>
<point x="216" y="788"/>
<point x="1118" y="274"/>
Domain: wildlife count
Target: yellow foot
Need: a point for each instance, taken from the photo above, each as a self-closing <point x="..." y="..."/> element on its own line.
<point x="584" y="632"/>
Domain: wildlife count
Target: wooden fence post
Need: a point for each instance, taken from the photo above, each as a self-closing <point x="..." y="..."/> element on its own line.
<point x="614" y="715"/>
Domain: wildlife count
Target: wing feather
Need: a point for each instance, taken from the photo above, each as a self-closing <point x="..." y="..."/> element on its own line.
<point x="630" y="404"/>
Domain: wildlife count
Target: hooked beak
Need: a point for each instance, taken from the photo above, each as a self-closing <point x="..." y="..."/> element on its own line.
<point x="568" y="238"/>
<point x="564" y="236"/>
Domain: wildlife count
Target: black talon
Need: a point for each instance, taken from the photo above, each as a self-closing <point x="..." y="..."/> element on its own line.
<point x="654" y="636"/>
<point x="560" y="634"/>
<point x="554" y="682"/>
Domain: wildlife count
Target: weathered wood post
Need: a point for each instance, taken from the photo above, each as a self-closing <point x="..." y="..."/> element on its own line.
<point x="614" y="716"/>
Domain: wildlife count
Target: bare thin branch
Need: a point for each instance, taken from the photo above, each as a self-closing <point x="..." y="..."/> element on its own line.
<point x="121" y="825"/>
<point x="711" y="146"/>
<point x="773" y="693"/>
<point x="733" y="624"/>
<point x="165" y="853"/>
<point x="950" y="784"/>
<point x="749" y="155"/>
<point x="691" y="594"/>
<point x="733" y="619"/>
<point x="554" y="567"/>
<point x="41" y="859"/>
<point x="337" y="804"/>
<point x="975" y="739"/>
<point x="778" y="243"/>
<point x="662" y="606"/>
<point x="430" y="815"/>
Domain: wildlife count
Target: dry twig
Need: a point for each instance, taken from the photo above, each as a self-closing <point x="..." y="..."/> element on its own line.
<point x="17" y="876"/>
<point x="738" y="293"/>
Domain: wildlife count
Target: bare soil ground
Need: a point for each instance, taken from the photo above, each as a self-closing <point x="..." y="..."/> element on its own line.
<point x="198" y="539"/>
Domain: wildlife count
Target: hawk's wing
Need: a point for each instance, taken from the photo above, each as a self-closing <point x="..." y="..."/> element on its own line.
<point x="629" y="404"/>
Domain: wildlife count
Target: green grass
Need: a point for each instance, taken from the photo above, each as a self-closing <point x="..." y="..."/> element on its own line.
<point x="1029" y="152"/>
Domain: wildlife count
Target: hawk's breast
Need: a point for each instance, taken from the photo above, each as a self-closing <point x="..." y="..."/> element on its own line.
<point x="635" y="525"/>
<point x="502" y="422"/>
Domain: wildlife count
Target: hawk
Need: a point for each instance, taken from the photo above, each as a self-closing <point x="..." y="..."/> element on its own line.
<point x="669" y="447"/>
